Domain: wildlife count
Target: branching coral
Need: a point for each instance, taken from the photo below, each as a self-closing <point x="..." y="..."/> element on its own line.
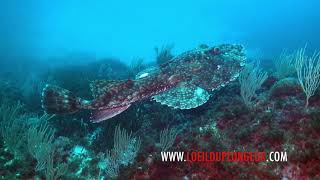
<point x="167" y="138"/>
<point x="40" y="144"/>
<point x="25" y="135"/>
<point x="12" y="128"/>
<point x="124" y="151"/>
<point x="251" y="79"/>
<point x="137" y="65"/>
<point x="55" y="173"/>
<point x="284" y="65"/>
<point x="308" y="70"/>
<point x="164" y="54"/>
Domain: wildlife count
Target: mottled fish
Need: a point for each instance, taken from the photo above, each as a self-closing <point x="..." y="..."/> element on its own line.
<point x="184" y="82"/>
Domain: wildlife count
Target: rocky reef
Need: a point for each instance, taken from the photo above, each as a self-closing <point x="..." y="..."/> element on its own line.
<point x="79" y="149"/>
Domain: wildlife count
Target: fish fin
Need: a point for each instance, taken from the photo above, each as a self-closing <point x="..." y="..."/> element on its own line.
<point x="185" y="96"/>
<point x="99" y="87"/>
<point x="105" y="114"/>
<point x="56" y="100"/>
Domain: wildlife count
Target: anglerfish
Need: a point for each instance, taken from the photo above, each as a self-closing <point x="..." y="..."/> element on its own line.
<point x="184" y="82"/>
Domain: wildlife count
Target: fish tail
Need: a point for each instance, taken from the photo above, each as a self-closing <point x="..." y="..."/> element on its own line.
<point x="56" y="100"/>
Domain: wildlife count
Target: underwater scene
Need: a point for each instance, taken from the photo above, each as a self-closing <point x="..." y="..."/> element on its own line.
<point x="191" y="90"/>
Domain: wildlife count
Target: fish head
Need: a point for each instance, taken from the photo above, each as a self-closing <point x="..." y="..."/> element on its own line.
<point x="225" y="62"/>
<point x="231" y="54"/>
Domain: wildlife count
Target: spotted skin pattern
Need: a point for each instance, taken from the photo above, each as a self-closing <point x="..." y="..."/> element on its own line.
<point x="206" y="67"/>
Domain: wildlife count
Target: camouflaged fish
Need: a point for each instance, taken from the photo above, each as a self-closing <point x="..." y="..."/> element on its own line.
<point x="184" y="82"/>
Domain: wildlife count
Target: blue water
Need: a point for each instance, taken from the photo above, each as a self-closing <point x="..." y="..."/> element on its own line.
<point x="129" y="29"/>
<point x="70" y="43"/>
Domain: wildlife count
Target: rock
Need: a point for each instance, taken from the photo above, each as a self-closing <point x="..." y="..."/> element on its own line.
<point x="285" y="87"/>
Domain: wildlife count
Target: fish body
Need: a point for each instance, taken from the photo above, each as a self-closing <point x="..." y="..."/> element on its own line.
<point x="184" y="82"/>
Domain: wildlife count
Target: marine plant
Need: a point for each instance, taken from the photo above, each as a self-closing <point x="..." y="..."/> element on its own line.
<point x="54" y="173"/>
<point x="40" y="144"/>
<point x="124" y="151"/>
<point x="27" y="136"/>
<point x="137" y="65"/>
<point x="167" y="138"/>
<point x="164" y="54"/>
<point x="284" y="65"/>
<point x="12" y="128"/>
<point x="308" y="70"/>
<point x="251" y="79"/>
